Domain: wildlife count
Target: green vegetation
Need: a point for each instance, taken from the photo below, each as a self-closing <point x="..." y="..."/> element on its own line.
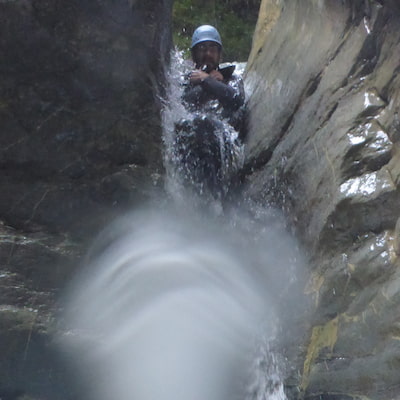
<point x="234" y="19"/>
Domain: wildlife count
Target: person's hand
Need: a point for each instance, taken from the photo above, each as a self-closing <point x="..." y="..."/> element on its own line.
<point x="216" y="75"/>
<point x="198" y="76"/>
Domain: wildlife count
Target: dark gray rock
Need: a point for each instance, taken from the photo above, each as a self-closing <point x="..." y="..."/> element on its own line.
<point x="80" y="142"/>
<point x="79" y="102"/>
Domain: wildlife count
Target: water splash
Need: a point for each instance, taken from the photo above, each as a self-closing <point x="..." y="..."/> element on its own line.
<point x="182" y="182"/>
<point x="181" y="304"/>
<point x="173" y="307"/>
<point x="173" y="110"/>
<point x="267" y="375"/>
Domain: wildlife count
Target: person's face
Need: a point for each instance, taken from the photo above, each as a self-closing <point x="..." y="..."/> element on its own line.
<point x="207" y="53"/>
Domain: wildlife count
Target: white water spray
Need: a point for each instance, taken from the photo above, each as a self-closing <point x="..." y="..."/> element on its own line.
<point x="173" y="307"/>
<point x="182" y="305"/>
<point x="180" y="182"/>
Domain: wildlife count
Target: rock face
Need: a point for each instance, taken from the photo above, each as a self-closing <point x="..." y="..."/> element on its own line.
<point x="80" y="137"/>
<point x="323" y="144"/>
<point x="78" y="116"/>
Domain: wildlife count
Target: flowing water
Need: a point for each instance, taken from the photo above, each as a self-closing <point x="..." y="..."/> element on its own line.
<point x="183" y="178"/>
<point x="180" y="303"/>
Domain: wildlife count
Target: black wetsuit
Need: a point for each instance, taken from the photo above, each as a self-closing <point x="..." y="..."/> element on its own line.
<point x="217" y="107"/>
<point x="220" y="100"/>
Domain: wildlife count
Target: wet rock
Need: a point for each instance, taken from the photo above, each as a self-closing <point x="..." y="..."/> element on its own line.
<point x="370" y="150"/>
<point x="80" y="142"/>
<point x="322" y="145"/>
<point x="33" y="269"/>
<point x="395" y="128"/>
<point x="355" y="306"/>
<point x="78" y="99"/>
<point x="30" y="368"/>
<point x="397" y="238"/>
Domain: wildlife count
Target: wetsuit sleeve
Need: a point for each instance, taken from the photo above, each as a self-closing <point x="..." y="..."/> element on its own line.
<point x="226" y="94"/>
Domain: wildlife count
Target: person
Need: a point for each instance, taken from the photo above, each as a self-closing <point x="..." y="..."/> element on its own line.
<point x="215" y="97"/>
<point x="211" y="88"/>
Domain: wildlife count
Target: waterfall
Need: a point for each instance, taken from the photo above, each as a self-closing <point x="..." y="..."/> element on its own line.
<point x="190" y="176"/>
<point x="182" y="304"/>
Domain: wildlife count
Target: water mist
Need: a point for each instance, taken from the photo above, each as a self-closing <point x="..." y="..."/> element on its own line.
<point x="181" y="303"/>
<point x="172" y="306"/>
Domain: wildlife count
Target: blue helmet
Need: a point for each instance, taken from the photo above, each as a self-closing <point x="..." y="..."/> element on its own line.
<point x="206" y="33"/>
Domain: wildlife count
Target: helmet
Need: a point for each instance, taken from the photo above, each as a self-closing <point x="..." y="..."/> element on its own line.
<point x="205" y="33"/>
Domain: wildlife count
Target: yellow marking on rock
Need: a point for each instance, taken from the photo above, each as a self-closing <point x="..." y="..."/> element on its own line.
<point x="350" y="318"/>
<point x="351" y="267"/>
<point x="332" y="167"/>
<point x="314" y="285"/>
<point x="322" y="336"/>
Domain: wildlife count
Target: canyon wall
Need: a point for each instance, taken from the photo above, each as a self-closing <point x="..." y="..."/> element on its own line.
<point x="80" y="142"/>
<point x="323" y="145"/>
